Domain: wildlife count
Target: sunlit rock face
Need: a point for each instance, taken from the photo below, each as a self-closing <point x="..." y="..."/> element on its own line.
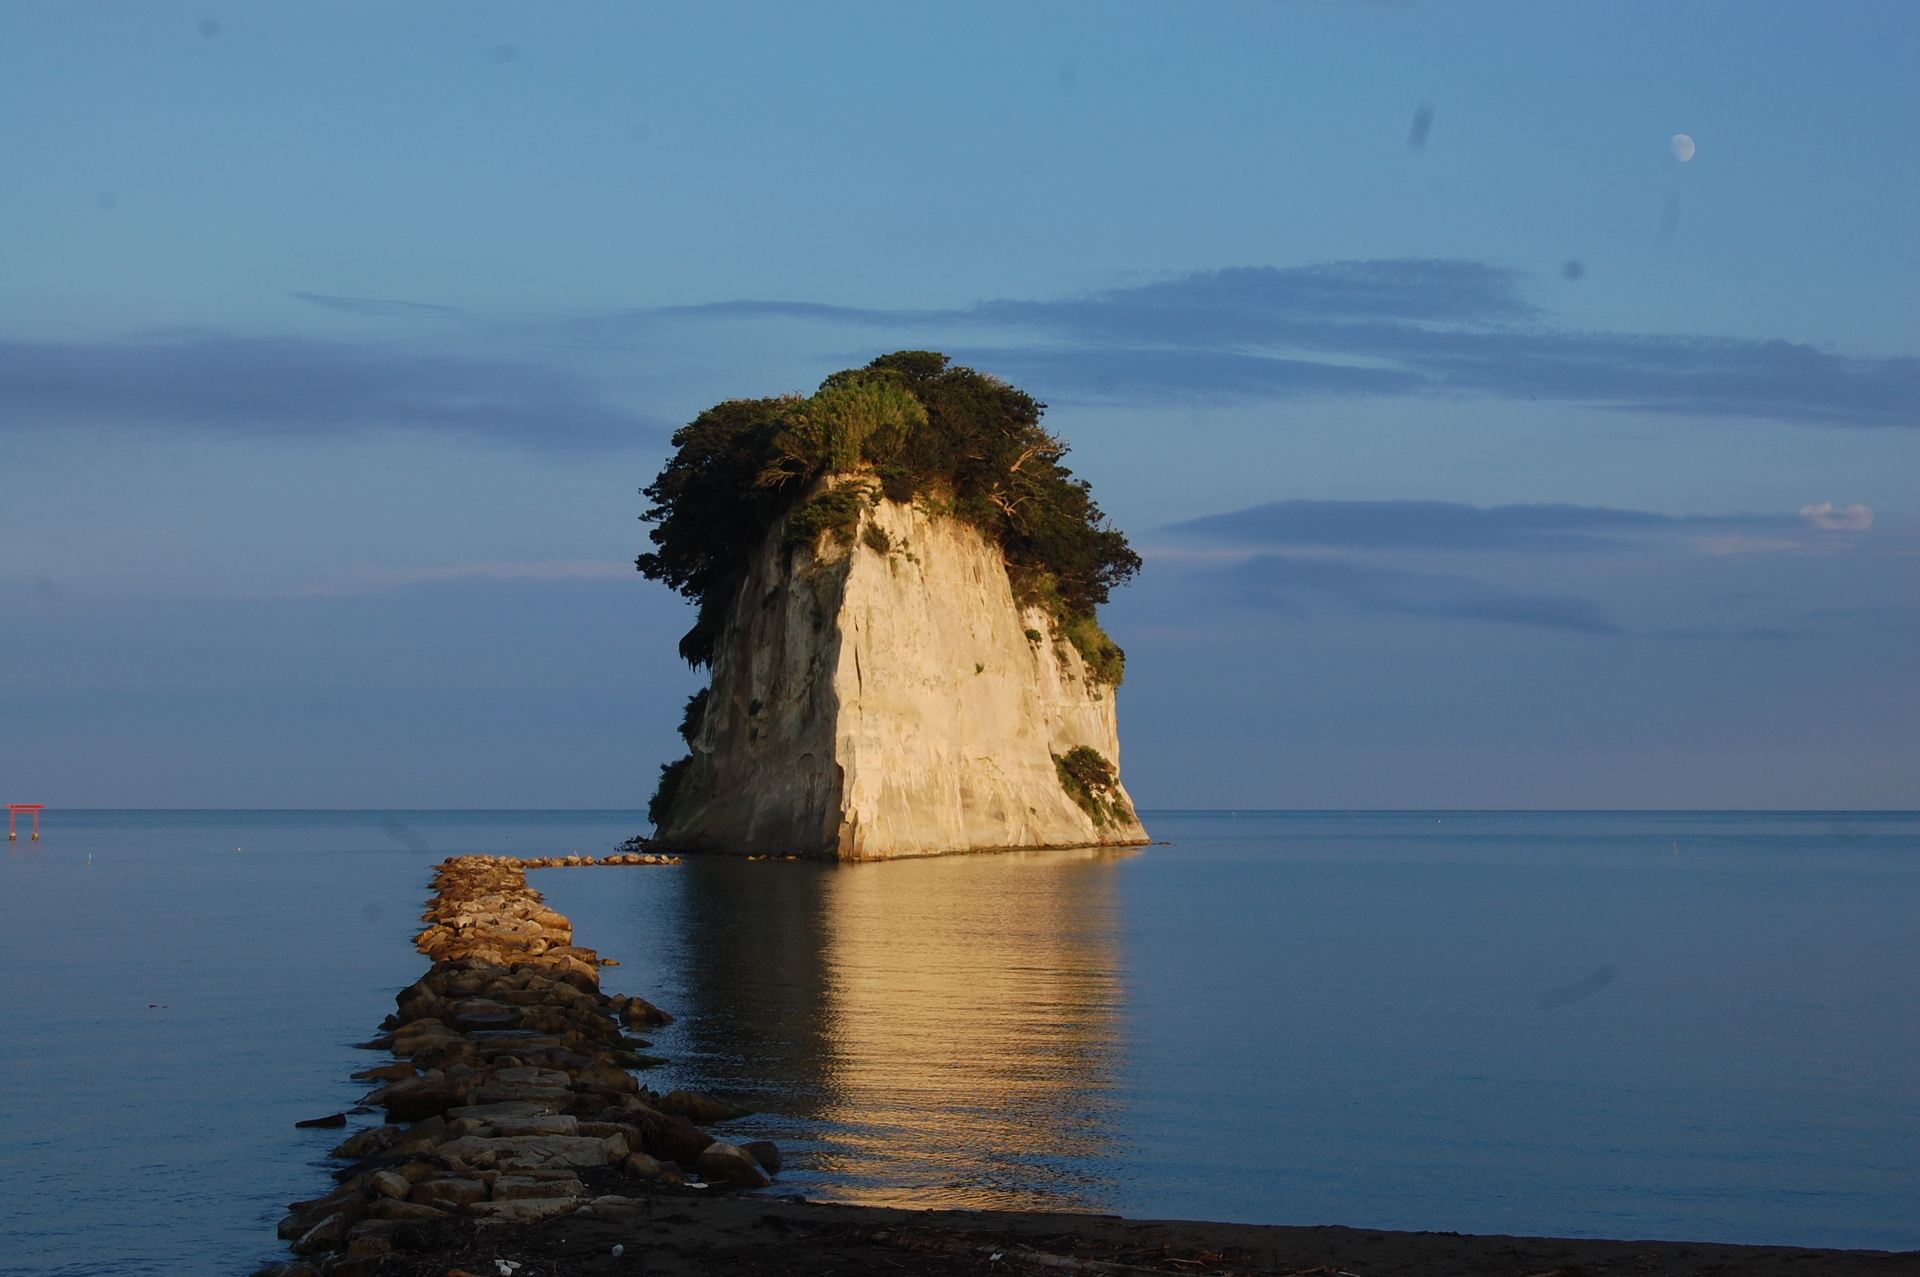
<point x="885" y="699"/>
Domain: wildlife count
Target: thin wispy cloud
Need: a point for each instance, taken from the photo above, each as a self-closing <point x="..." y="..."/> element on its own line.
<point x="380" y="306"/>
<point x="1449" y="525"/>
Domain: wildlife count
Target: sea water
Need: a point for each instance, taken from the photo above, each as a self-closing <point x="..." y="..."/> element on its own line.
<point x="1690" y="1026"/>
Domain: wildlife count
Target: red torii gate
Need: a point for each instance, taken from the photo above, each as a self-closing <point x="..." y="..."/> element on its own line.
<point x="13" y="813"/>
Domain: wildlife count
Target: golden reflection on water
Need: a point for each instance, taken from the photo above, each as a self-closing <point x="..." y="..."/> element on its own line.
<point x="945" y="1030"/>
<point x="974" y="1003"/>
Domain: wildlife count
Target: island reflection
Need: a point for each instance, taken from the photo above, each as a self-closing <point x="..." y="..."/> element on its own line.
<point x="941" y="1031"/>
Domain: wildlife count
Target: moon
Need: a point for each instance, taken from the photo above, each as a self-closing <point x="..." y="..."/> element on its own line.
<point x="1682" y="147"/>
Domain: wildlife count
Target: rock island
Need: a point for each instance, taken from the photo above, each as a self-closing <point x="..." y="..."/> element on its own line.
<point x="897" y="583"/>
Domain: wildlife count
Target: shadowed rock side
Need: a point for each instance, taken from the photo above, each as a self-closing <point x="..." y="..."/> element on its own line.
<point x="889" y="698"/>
<point x="509" y="1084"/>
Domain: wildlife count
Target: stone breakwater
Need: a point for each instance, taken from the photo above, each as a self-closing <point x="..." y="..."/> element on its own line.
<point x="509" y="1083"/>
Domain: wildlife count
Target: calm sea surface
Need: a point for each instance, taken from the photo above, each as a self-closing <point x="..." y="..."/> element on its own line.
<point x="1694" y="1026"/>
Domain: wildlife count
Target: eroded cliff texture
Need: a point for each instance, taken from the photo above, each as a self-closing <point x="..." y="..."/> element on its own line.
<point x="890" y="698"/>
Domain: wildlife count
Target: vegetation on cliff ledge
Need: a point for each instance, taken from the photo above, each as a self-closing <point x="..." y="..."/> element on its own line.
<point x="910" y="427"/>
<point x="1091" y="781"/>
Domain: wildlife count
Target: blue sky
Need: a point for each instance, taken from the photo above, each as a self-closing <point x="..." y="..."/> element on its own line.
<point x="1483" y="452"/>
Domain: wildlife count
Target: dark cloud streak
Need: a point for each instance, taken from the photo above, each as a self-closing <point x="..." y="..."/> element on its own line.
<point x="297" y="387"/>
<point x="1407" y="327"/>
<point x="1245" y="335"/>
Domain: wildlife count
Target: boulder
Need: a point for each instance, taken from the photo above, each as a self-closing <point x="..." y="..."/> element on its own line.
<point x="617" y="1203"/>
<point x="360" y="1172"/>
<point x="449" y="1192"/>
<point x="697" y="1107"/>
<point x="324" y="1205"/>
<point x="331" y="1120"/>
<point x="731" y="1164"/>
<point x="426" y="1134"/>
<point x="551" y="1099"/>
<point x="594" y="1097"/>
<point x="493" y="1043"/>
<point x="642" y="1012"/>
<point x="365" y="1266"/>
<point x="366" y="1143"/>
<point x="347" y="1203"/>
<point x="612" y="1077"/>
<point x="371" y="1237"/>
<point x="406" y="1047"/>
<point x="425" y="1025"/>
<point x="385" y="1073"/>
<point x="530" y="1075"/>
<point x="649" y="1167"/>
<point x="681" y="1142"/>
<point x="411" y="1103"/>
<point x="390" y="1184"/>
<point x="417" y="1001"/>
<point x="615" y="1209"/>
<point x="765" y="1152"/>
<point x="525" y="1209"/>
<point x="328" y="1234"/>
<point x="368" y="1246"/>
<point x="491" y="1113"/>
<point x="531" y="1150"/>
<point x="512" y="1187"/>
<point x="401" y="1212"/>
<point x="538" y="1124"/>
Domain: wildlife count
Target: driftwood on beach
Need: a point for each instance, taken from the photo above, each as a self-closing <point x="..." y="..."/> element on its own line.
<point x="510" y="1081"/>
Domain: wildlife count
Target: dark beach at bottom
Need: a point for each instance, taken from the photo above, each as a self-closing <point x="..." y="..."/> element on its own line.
<point x="668" y="1229"/>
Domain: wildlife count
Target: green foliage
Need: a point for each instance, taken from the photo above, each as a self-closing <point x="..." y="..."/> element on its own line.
<point x="953" y="438"/>
<point x="711" y="511"/>
<point x="855" y="418"/>
<point x="877" y="539"/>
<point x="834" y="511"/>
<point x="985" y="454"/>
<point x="694" y="714"/>
<point x="661" y="804"/>
<point x="1091" y="781"/>
<point x="1105" y="661"/>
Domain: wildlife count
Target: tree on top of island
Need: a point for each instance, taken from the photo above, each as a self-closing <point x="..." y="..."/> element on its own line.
<point x="962" y="441"/>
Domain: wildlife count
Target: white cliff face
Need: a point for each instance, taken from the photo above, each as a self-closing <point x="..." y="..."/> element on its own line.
<point x="872" y="703"/>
